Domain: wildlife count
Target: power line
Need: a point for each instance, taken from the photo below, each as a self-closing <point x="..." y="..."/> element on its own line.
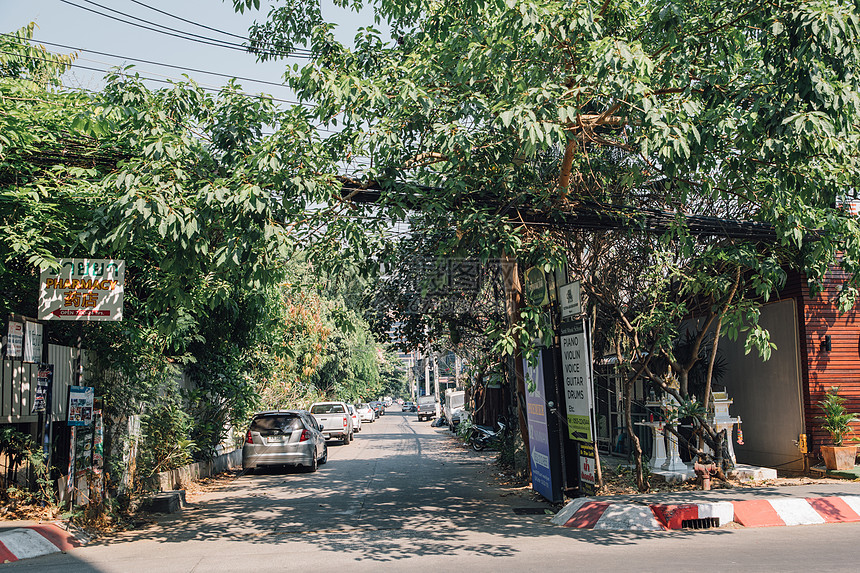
<point x="172" y="31"/>
<point x="165" y="81"/>
<point x="173" y="66"/>
<point x="192" y="22"/>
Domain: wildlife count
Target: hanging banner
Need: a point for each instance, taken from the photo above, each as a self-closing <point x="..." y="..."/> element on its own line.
<point x="44" y="379"/>
<point x="81" y="400"/>
<point x="15" y="340"/>
<point x="578" y="392"/>
<point x="83" y="289"/>
<point x="536" y="415"/>
<point x="32" y="342"/>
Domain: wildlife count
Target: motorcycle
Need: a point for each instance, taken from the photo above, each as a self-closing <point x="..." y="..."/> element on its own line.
<point x="481" y="437"/>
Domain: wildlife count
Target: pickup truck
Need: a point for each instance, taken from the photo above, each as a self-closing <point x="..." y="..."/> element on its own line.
<point x="334" y="420"/>
<point x="428" y="407"/>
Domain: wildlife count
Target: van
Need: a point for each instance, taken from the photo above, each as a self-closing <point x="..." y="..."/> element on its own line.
<point x="428" y="407"/>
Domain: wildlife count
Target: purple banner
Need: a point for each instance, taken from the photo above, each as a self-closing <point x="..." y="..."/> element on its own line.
<point x="539" y="448"/>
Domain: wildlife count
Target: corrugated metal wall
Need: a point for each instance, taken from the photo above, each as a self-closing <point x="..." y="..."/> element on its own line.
<point x="18" y="385"/>
<point x="840" y="366"/>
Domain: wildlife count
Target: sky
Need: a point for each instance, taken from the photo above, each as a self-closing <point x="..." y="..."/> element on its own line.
<point x="76" y="23"/>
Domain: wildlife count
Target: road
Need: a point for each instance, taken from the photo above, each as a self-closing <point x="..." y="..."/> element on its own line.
<point x="404" y="496"/>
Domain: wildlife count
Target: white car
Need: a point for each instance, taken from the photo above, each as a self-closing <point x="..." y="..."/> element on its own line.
<point x="365" y="412"/>
<point x="356" y="418"/>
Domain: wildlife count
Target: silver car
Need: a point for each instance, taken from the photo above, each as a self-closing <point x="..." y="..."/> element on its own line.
<point x="284" y="438"/>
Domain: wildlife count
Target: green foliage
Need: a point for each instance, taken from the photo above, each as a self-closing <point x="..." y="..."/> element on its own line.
<point x="836" y="419"/>
<point x="166" y="444"/>
<point x="17" y="447"/>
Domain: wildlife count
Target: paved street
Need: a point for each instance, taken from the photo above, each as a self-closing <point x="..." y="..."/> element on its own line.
<point x="403" y="496"/>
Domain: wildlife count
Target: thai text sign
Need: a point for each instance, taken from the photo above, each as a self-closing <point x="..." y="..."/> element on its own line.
<point x="82" y="289"/>
<point x="587" y="465"/>
<point x="15" y="339"/>
<point x="536" y="414"/>
<point x="578" y="395"/>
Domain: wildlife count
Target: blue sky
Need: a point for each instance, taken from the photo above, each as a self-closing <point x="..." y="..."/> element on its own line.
<point x="59" y="22"/>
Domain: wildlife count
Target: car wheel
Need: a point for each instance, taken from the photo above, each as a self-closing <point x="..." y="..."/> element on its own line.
<point x="324" y="457"/>
<point x="351" y="436"/>
<point x="314" y="465"/>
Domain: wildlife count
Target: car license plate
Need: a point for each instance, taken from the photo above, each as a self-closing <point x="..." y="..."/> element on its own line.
<point x="276" y="439"/>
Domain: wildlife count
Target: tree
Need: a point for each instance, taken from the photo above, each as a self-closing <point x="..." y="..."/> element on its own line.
<point x="733" y="125"/>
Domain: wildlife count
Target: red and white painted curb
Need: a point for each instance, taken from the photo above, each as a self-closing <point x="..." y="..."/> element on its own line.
<point x="589" y="513"/>
<point x="34" y="541"/>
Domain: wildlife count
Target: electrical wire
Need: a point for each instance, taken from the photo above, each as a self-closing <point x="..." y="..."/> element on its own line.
<point x="172" y="31"/>
<point x="154" y="63"/>
<point x="210" y="89"/>
<point x="192" y="22"/>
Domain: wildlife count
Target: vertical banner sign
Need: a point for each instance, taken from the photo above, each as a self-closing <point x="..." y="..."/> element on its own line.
<point x="81" y="405"/>
<point x="44" y="379"/>
<point x="542" y="481"/>
<point x="32" y="342"/>
<point x="15" y="340"/>
<point x="578" y="393"/>
<point x="587" y="463"/>
<point x="83" y="289"/>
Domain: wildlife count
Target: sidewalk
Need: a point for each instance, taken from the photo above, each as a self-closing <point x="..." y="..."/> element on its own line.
<point x="748" y="507"/>
<point x="25" y="539"/>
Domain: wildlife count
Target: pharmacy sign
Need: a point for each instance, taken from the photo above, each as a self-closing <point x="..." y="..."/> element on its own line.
<point x="82" y="289"/>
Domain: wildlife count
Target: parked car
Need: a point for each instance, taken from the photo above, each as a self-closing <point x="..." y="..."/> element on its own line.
<point x="284" y="438"/>
<point x="366" y="413"/>
<point x="408" y="407"/>
<point x="356" y="419"/>
<point x="334" y="420"/>
<point x="428" y="407"/>
<point x="378" y="408"/>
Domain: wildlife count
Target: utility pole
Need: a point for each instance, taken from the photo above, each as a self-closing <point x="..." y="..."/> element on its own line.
<point x="427" y="374"/>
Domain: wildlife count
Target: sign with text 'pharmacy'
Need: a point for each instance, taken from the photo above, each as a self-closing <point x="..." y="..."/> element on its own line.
<point x="578" y="394"/>
<point x="82" y="289"/>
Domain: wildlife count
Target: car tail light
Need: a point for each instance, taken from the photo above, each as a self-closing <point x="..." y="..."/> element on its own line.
<point x="345" y="423"/>
<point x="248" y="438"/>
<point x="305" y="436"/>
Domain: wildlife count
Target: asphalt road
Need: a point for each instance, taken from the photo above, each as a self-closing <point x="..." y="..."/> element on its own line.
<point x="404" y="496"/>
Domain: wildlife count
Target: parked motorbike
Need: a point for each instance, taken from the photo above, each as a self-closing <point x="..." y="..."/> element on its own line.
<point x="481" y="437"/>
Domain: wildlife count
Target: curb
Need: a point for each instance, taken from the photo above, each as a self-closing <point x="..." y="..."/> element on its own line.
<point x="36" y="540"/>
<point x="587" y="513"/>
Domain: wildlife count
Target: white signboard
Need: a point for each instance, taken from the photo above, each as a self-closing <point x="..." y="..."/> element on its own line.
<point x="578" y="393"/>
<point x="569" y="298"/>
<point x="32" y="342"/>
<point x="83" y="289"/>
<point x="15" y="340"/>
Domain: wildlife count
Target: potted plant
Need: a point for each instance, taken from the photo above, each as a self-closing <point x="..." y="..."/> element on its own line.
<point x="837" y="422"/>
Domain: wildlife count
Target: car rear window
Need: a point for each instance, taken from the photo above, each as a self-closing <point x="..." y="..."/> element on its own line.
<point x="426" y="399"/>
<point x="282" y="422"/>
<point x="327" y="409"/>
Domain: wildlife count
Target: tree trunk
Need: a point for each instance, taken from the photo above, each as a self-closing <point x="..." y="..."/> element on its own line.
<point x="513" y="300"/>
<point x="641" y="483"/>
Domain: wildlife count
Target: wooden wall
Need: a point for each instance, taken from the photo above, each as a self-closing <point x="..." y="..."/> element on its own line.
<point x="822" y="369"/>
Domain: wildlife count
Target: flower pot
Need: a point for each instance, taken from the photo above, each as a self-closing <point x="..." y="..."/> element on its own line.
<point x="839" y="457"/>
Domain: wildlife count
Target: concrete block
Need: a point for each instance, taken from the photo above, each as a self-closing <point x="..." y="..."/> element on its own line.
<point x="744" y="472"/>
<point x="168" y="501"/>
